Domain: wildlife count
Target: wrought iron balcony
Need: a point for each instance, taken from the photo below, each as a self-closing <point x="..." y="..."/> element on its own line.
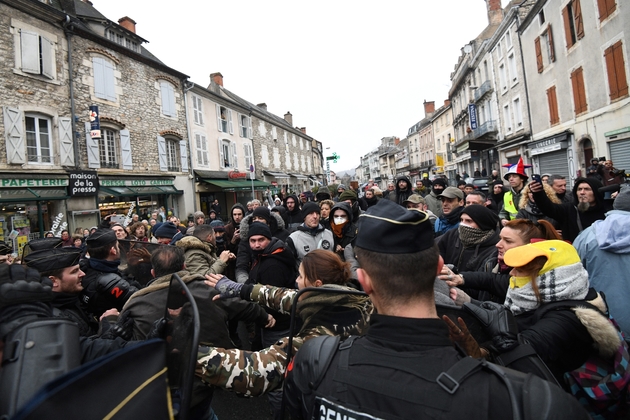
<point x="485" y="87"/>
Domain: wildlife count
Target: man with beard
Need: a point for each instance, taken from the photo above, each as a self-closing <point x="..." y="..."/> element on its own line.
<point x="452" y="205"/>
<point x="559" y="185"/>
<point x="403" y="190"/>
<point x="368" y="200"/>
<point x="294" y="216"/>
<point x="432" y="200"/>
<point x="573" y="219"/>
<point x="511" y="199"/>
<point x="232" y="229"/>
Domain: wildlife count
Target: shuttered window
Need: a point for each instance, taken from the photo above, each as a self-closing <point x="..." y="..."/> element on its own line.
<point x="37" y="54"/>
<point x="552" y="50"/>
<point x="606" y="8"/>
<point x="616" y="69"/>
<point x="552" y="100"/>
<point x="579" y="94"/>
<point x="104" y="79"/>
<point x="38" y="141"/>
<point x="168" y="99"/>
<point x="539" y="57"/>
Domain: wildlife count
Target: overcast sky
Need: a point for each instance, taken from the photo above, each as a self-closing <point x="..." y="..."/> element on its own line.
<point x="349" y="71"/>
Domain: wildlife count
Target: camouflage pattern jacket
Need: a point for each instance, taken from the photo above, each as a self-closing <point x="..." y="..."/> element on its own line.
<point x="255" y="373"/>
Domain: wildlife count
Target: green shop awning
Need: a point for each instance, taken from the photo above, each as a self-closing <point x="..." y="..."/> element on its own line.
<point x="32" y="194"/>
<point x="135" y="191"/>
<point x="226" y="185"/>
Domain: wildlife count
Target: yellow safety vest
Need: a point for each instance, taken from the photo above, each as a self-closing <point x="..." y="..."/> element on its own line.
<point x="508" y="205"/>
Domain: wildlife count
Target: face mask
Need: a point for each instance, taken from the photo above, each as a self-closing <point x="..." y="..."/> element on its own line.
<point x="340" y="220"/>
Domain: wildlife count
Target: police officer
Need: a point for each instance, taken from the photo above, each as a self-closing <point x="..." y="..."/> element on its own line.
<point x="406" y="366"/>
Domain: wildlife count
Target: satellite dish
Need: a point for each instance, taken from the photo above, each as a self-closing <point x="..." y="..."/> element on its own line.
<point x="467" y="48"/>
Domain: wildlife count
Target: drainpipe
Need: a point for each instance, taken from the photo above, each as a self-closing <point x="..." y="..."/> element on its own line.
<point x="67" y="26"/>
<point x="186" y="87"/>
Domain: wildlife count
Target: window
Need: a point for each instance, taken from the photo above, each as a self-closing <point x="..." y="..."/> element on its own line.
<point x="551" y="52"/>
<point x="173" y="154"/>
<point x="508" y="40"/>
<point x="518" y="113"/>
<point x="507" y="117"/>
<point x="107" y="149"/>
<point x="573" y="24"/>
<point x="545" y="40"/>
<point x="616" y="69"/>
<point x="579" y="94"/>
<point x="224" y="120"/>
<point x="227" y="154"/>
<point x="172" y="160"/>
<point x="274" y="134"/>
<point x="552" y="101"/>
<point x="197" y="109"/>
<point x="247" y="149"/>
<point x="168" y="99"/>
<point x="38" y="142"/>
<point x="541" y="17"/>
<point x="104" y="79"/>
<point x="201" y="145"/>
<point x="121" y="40"/>
<point x="502" y="77"/>
<point x="245" y="126"/>
<point x="499" y="50"/>
<point x="37" y="54"/>
<point x="606" y="8"/>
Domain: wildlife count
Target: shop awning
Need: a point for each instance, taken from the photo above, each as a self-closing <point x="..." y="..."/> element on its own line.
<point x="237" y="185"/>
<point x="298" y="176"/>
<point x="135" y="191"/>
<point x="276" y="174"/>
<point x="13" y="195"/>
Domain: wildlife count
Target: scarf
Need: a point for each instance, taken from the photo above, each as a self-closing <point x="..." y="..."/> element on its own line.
<point x="338" y="229"/>
<point x="453" y="217"/>
<point x="105" y="266"/>
<point x="471" y="236"/>
<point x="569" y="282"/>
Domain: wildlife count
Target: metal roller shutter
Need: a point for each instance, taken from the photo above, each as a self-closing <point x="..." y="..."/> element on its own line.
<point x="620" y="154"/>
<point x="555" y="163"/>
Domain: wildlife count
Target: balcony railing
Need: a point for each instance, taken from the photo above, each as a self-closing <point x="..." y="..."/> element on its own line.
<point x="485" y="128"/>
<point x="482" y="90"/>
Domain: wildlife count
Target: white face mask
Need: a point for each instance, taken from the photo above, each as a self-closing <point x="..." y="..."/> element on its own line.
<point x="340" y="220"/>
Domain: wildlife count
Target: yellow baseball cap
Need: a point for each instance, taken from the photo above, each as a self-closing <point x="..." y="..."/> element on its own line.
<point x="558" y="253"/>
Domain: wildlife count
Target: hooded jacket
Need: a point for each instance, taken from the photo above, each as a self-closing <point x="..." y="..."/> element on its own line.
<point x="604" y="248"/>
<point x="567" y="215"/>
<point x="294" y="218"/>
<point x="201" y="257"/>
<point x="349" y="231"/>
<point x="400" y="196"/>
<point x="231" y="226"/>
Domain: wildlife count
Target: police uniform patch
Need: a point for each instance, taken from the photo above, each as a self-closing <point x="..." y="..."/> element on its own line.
<point x="326" y="409"/>
<point x="325" y="244"/>
<point x="307" y="248"/>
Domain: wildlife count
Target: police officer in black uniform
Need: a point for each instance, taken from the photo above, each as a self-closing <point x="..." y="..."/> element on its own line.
<point x="406" y="367"/>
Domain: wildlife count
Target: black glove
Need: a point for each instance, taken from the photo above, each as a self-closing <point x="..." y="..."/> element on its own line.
<point x="123" y="327"/>
<point x="158" y="330"/>
<point x="498" y="322"/>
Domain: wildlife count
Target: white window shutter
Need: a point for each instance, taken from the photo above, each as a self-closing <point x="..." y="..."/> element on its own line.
<point x="200" y="107"/>
<point x="274" y="133"/>
<point x="94" y="160"/>
<point x="66" y="145"/>
<point x="249" y="127"/>
<point x="99" y="77"/>
<point x="29" y="43"/>
<point x="198" y="149"/>
<point x="183" y="154"/>
<point x="14" y="132"/>
<point x="161" y="141"/>
<point x="235" y="154"/>
<point x="166" y="102"/>
<point x="240" y="124"/>
<point x="110" y="89"/>
<point x="47" y="58"/>
<point x="219" y="125"/>
<point x="230" y="126"/>
<point x="171" y="99"/>
<point x="204" y="148"/>
<point x="125" y="150"/>
<point x="221" y="157"/>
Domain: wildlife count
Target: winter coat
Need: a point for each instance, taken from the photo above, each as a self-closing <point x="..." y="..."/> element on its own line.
<point x="400" y="196"/>
<point x="604" y="248"/>
<point x="434" y="204"/>
<point x="445" y="223"/>
<point x="294" y="218"/>
<point x="463" y="258"/>
<point x="490" y="282"/>
<point x="231" y="227"/>
<point x="349" y="232"/>
<point x="201" y="257"/>
<point x="304" y="240"/>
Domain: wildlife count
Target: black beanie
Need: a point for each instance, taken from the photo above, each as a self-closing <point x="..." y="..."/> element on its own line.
<point x="310" y="207"/>
<point x="485" y="218"/>
<point x="262" y="212"/>
<point x="440" y="181"/>
<point x="258" y="228"/>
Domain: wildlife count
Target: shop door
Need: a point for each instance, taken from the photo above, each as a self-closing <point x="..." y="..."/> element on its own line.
<point x="620" y="154"/>
<point x="555" y="163"/>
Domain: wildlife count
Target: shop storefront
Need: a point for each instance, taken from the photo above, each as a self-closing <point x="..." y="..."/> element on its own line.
<point x="30" y="206"/>
<point x="228" y="188"/>
<point x="550" y="156"/>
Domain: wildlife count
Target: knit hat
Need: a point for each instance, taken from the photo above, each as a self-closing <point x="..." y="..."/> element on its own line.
<point x="558" y="253"/>
<point x="166" y="230"/>
<point x="218" y="225"/>
<point x="343" y="187"/>
<point x="497" y="182"/>
<point x="262" y="212"/>
<point x="348" y="195"/>
<point x="323" y="194"/>
<point x="101" y="237"/>
<point x="310" y="207"/>
<point x="389" y="228"/>
<point x="518" y="169"/>
<point x="46" y="260"/>
<point x="198" y="214"/>
<point x="258" y="228"/>
<point x="452" y="192"/>
<point x="622" y="201"/>
<point x="439" y="181"/>
<point x="485" y="218"/>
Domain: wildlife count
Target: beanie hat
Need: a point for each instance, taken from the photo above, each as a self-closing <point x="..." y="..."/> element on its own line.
<point x="198" y="214"/>
<point x="622" y="201"/>
<point x="262" y="212"/>
<point x="440" y="181"/>
<point x="348" y="195"/>
<point x="217" y="225"/>
<point x="166" y="230"/>
<point x="389" y="228"/>
<point x="485" y="218"/>
<point x="310" y="207"/>
<point x="258" y="228"/>
<point x="343" y="187"/>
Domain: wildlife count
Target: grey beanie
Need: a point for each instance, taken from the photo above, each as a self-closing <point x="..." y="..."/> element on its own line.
<point x="622" y="201"/>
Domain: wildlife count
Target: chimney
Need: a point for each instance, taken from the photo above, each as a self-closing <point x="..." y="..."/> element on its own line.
<point x="429" y="108"/>
<point x="217" y="78"/>
<point x="262" y="105"/>
<point x="128" y="23"/>
<point x="396" y="141"/>
<point x="447" y="102"/>
<point x="495" y="12"/>
<point x="303" y="130"/>
<point x="289" y="118"/>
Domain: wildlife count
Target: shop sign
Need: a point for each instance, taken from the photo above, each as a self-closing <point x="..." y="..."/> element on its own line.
<point x="236" y="175"/>
<point x="472" y="116"/>
<point x="83" y="183"/>
<point x="25" y="183"/>
<point x="274" y="183"/>
<point x="58" y="225"/>
<point x="547" y="146"/>
<point x="134" y="182"/>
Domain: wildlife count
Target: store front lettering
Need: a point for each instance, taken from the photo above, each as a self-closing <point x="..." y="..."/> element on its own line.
<point x="134" y="182"/>
<point x="58" y="225"/>
<point x="8" y="182"/>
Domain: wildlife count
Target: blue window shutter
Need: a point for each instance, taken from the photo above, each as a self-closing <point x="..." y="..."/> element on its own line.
<point x="48" y="56"/>
<point x="110" y="89"/>
<point x="94" y="160"/>
<point x="99" y="77"/>
<point x="183" y="153"/>
<point x="29" y="44"/>
<point x="14" y="135"/>
<point x="161" y="141"/>
<point x="66" y="145"/>
<point x="125" y="149"/>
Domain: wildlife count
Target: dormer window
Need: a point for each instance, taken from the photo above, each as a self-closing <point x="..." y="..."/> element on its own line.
<point x="120" y="39"/>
